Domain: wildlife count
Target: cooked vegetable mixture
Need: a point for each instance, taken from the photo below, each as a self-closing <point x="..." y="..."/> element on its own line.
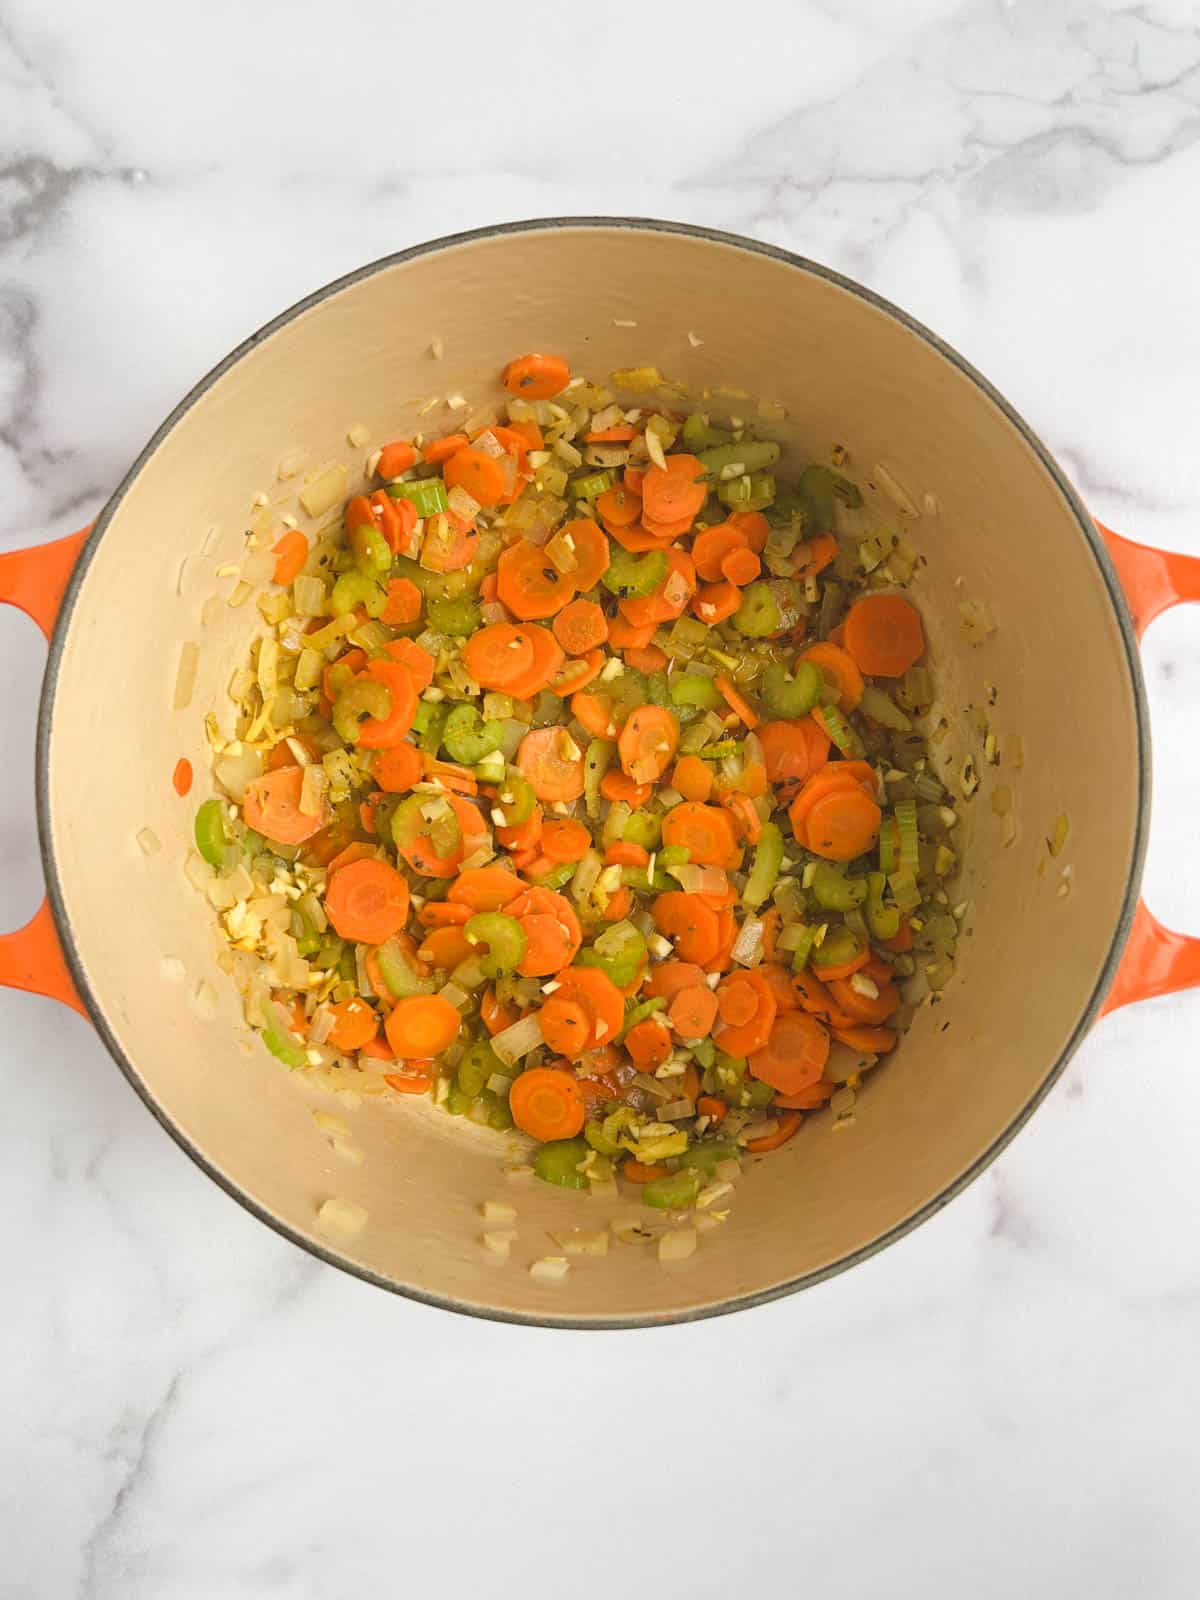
<point x="576" y="783"/>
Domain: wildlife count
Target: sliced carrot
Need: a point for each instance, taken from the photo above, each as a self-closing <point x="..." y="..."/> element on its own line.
<point x="395" y="458"/>
<point x="354" y="660"/>
<point x="599" y="996"/>
<point x="547" y="659"/>
<point x="795" y="1054"/>
<point x="292" y="551"/>
<point x="565" y="840"/>
<point x="709" y="1106"/>
<point x="626" y="854"/>
<point x="811" y="992"/>
<point x="181" y="777"/>
<point x="484" y="888"/>
<point x="528" y="431"/>
<point x="577" y="673"/>
<point x="753" y="527"/>
<point x="357" y="850"/>
<point x="693" y="778"/>
<point x="741" y="567"/>
<point x="450" y="544"/>
<point x="710" y="548"/>
<point x="420" y="853"/>
<point x="545" y="757"/>
<point x="403" y="603"/>
<point x="871" y="1010"/>
<point x="422" y="1025"/>
<point x="415" y="659"/>
<point x="902" y="940"/>
<point x="547" y="1104"/>
<point x="634" y="537"/>
<point x="739" y="1039"/>
<point x="536" y="377"/>
<point x="376" y="1048"/>
<point x="592" y="555"/>
<point x="552" y="932"/>
<point x="414" y="1079"/>
<point x="840" y="669"/>
<point x="741" y="809"/>
<point x="789" y="1122"/>
<point x="367" y="902"/>
<point x="845" y="969"/>
<point x="714" y="602"/>
<point x="566" y="1026"/>
<point x="439" y="450"/>
<point x="619" y="506"/>
<point x="618" y="435"/>
<point x="707" y="832"/>
<point x="667" y="532"/>
<point x="622" y="634"/>
<point x="735" y="701"/>
<point x="871" y="1041"/>
<point x="397" y="769"/>
<point x="480" y="475"/>
<point x="620" y="904"/>
<point x="646" y="658"/>
<point x="648" y="742"/>
<point x="669" y="599"/>
<point x="379" y="733"/>
<point x="829" y="779"/>
<point x="793" y="751"/>
<point x="444" y="948"/>
<point x="692" y="925"/>
<point x="780" y="980"/>
<point x="884" y="635"/>
<point x="595" y="711"/>
<point x="669" y="977"/>
<point x="525" y="835"/>
<point x="693" y="1012"/>
<point x="451" y="776"/>
<point x="444" y="914"/>
<point x="395" y="520"/>
<point x="272" y="807"/>
<point x="529" y="583"/>
<point x="815" y="555"/>
<point x="494" y="1016"/>
<point x="498" y="654"/>
<point x="642" y="1171"/>
<point x="842" y="825"/>
<point x="675" y="491"/>
<point x="354" y="1024"/>
<point x="648" y="1042"/>
<point x="580" y="626"/>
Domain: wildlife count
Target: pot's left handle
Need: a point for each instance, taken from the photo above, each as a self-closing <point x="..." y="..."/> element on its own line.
<point x="1155" y="960"/>
<point x="35" y="580"/>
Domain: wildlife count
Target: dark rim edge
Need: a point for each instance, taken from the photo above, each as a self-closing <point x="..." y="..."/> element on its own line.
<point x="968" y="1175"/>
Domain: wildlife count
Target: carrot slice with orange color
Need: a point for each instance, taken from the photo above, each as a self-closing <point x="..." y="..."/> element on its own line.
<point x="553" y="763"/>
<point x="753" y="527"/>
<point x="272" y="807"/>
<point x="693" y="1012"/>
<point x="451" y="543"/>
<point x="577" y="673"/>
<point x="440" y="450"/>
<point x="794" y="1055"/>
<point x="354" y="1024"/>
<point x="648" y="1042"/>
<point x="619" y="506"/>
<point x="648" y="742"/>
<point x="865" y="1008"/>
<point x="592" y="555"/>
<point x="444" y="948"/>
<point x="693" y="778"/>
<point x="710" y="548"/>
<point x="547" y="659"/>
<point x="707" y="832"/>
<point x="622" y="633"/>
<point x="714" y="602"/>
<point x="443" y="914"/>
<point x="292" y="553"/>
<point x="741" y="1038"/>
<point x="675" y="491"/>
<point x="478" y="474"/>
<point x="669" y="977"/>
<point x="403" y="603"/>
<point x="529" y="583"/>
<point x="547" y="1104"/>
<point x="596" y="712"/>
<point x="736" y="702"/>
<point x="397" y="769"/>
<point x="668" y="600"/>
<point x="566" y="1026"/>
<point x="793" y="751"/>
<point x="378" y="733"/>
<point x="599" y="996"/>
<point x="871" y="1041"/>
<point x="498" y="655"/>
<point x="815" y="555"/>
<point x="642" y="1171"/>
<point x="419" y="853"/>
<point x="741" y="567"/>
<point x="395" y="458"/>
<point x="422" y="1025"/>
<point x="840" y="668"/>
<point x="536" y="377"/>
<point x="484" y="888"/>
<point x="417" y="660"/>
<point x="842" y="825"/>
<point x="789" y="1122"/>
<point x="692" y="925"/>
<point x="552" y="932"/>
<point x="580" y="626"/>
<point x="884" y="635"/>
<point x="367" y="902"/>
<point x="646" y="658"/>
<point x="565" y="840"/>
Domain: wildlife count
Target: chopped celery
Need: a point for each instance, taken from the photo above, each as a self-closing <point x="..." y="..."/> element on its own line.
<point x="476" y="1065"/>
<point x="354" y="588"/>
<point x="804" y="938"/>
<point x="751" y="455"/>
<point x="791" y="696"/>
<point x="517" y="799"/>
<point x="708" y="1155"/>
<point x="429" y="725"/>
<point x="758" y="615"/>
<point x="675" y="1192"/>
<point x="630" y="576"/>
<point x="371" y="553"/>
<point x="427" y="494"/>
<point x="283" y="1045"/>
<point x="839" y="730"/>
<point x="361" y="701"/>
<point x="839" y="946"/>
<point x="906" y="826"/>
<point x="468" y="738"/>
<point x="699" y="434"/>
<point x="883" y="921"/>
<point x="459" y="618"/>
<point x="834" y="891"/>
<point x="904" y="889"/>
<point x="644" y="828"/>
<point x="817" y="488"/>
<point x="748" y="494"/>
<point x="558" y="1162"/>
<point x="504" y="938"/>
<point x="597" y="759"/>
<point x="211" y="840"/>
<point x="557" y="876"/>
<point x="598" y="1139"/>
<point x="694" y="689"/>
<point x="593" y="484"/>
<point x="768" y="856"/>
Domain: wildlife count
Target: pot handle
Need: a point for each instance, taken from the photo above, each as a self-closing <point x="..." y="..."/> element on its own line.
<point x="35" y="581"/>
<point x="1155" y="960"/>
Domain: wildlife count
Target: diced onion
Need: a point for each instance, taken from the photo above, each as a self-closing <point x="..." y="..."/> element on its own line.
<point x="677" y="1245"/>
<point x="149" y="841"/>
<point x="895" y="491"/>
<point x="185" y="677"/>
<point x="341" y="1216"/>
<point x="747" y="947"/>
<point x="550" y="1269"/>
<point x="511" y="1043"/>
<point x="308" y="596"/>
<point x="326" y="490"/>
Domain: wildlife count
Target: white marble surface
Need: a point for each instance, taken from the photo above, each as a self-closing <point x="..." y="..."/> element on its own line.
<point x="1004" y="1404"/>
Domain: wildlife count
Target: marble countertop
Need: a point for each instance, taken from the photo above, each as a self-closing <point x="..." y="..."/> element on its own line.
<point x="1002" y="1404"/>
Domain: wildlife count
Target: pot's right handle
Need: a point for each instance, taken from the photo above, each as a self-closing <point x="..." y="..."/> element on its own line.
<point x="35" y="580"/>
<point x="1155" y="960"/>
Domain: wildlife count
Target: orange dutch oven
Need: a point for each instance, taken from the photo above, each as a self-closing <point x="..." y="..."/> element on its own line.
<point x="997" y="522"/>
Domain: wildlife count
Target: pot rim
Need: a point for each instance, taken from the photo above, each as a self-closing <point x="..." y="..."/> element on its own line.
<point x="935" y="1203"/>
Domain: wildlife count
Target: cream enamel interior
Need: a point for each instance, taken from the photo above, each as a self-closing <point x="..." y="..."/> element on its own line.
<point x="847" y="371"/>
